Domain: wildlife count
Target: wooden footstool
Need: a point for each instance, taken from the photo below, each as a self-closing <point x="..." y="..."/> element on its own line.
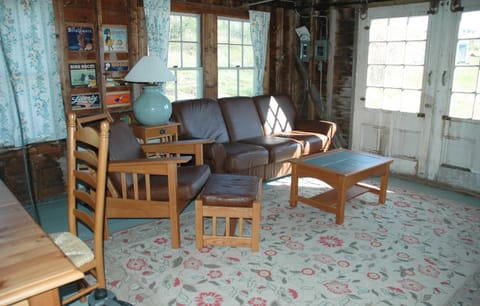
<point x="231" y="198"/>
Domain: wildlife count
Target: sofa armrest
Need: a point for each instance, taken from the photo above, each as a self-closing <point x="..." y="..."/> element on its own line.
<point x="214" y="156"/>
<point x="324" y="127"/>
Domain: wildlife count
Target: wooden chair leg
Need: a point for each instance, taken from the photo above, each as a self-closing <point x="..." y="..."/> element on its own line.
<point x="199" y="224"/>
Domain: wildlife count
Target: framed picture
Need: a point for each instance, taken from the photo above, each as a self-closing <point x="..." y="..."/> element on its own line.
<point x="118" y="98"/>
<point x="85" y="101"/>
<point x="115" y="38"/>
<point x="80" y="38"/>
<point x="118" y="66"/>
<point x="83" y="75"/>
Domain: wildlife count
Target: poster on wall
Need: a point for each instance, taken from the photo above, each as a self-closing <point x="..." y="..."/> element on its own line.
<point x="115" y="38"/>
<point x="85" y="101"/>
<point x="116" y="66"/>
<point x="83" y="75"/>
<point x="80" y="38"/>
<point x="118" y="98"/>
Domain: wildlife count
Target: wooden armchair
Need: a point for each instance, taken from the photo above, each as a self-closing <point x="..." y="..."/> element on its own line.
<point x="144" y="187"/>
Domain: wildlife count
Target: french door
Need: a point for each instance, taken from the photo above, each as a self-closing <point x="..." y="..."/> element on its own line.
<point x="417" y="90"/>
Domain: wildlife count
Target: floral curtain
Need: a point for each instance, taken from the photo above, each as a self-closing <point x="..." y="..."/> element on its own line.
<point x="29" y="74"/>
<point x="259" y="23"/>
<point x="157" y="15"/>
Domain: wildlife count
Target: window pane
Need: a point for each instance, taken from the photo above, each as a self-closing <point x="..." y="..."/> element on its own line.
<point x="235" y="56"/>
<point x="469" y="25"/>
<point x="461" y="105"/>
<point x="465" y="79"/>
<point x="188" y="80"/>
<point x="189" y="29"/>
<point x="236" y="32"/>
<point x="377" y="30"/>
<point x="248" y="56"/>
<point x="374" y="97"/>
<point x="222" y="55"/>
<point x="476" y="109"/>
<point x="227" y="83"/>
<point x="222" y="31"/>
<point x="417" y="28"/>
<point x="174" y="55"/>
<point x="397" y="29"/>
<point x="377" y="53"/>
<point x="392" y="99"/>
<point x="395" y="53"/>
<point x="411" y="101"/>
<point x="246" y="82"/>
<point x="394" y="76"/>
<point x="190" y="54"/>
<point x="175" y="33"/>
<point x="413" y="77"/>
<point x="247" y="38"/>
<point x="375" y="75"/>
<point x="415" y="53"/>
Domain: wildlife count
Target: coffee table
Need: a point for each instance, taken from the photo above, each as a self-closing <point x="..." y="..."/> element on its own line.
<point x="343" y="170"/>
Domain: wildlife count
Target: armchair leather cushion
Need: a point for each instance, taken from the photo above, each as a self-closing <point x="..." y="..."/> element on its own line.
<point x="190" y="181"/>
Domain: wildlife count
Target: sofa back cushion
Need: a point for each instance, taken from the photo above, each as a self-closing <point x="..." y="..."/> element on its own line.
<point x="200" y="118"/>
<point x="277" y="113"/>
<point x="241" y="118"/>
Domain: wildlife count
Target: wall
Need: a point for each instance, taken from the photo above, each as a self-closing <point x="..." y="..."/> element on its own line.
<point x="283" y="75"/>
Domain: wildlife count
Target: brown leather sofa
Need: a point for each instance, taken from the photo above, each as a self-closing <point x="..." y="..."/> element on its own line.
<point x="251" y="135"/>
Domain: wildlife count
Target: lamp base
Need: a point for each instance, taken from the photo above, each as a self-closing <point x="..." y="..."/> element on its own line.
<point x="152" y="107"/>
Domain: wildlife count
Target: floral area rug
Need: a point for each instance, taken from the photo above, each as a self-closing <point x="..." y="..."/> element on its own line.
<point x="416" y="249"/>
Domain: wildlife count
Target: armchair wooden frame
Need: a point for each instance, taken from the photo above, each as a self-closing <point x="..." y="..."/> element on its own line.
<point x="137" y="175"/>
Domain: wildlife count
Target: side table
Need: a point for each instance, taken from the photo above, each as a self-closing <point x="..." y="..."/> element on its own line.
<point x="167" y="132"/>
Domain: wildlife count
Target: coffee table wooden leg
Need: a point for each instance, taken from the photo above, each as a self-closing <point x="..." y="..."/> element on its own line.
<point x="294" y="187"/>
<point x="382" y="195"/>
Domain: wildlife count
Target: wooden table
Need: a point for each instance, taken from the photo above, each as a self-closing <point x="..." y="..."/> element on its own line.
<point x="32" y="267"/>
<point x="342" y="170"/>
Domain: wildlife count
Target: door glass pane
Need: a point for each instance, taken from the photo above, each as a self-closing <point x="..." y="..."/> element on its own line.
<point x="396" y="57"/>
<point x="466" y="84"/>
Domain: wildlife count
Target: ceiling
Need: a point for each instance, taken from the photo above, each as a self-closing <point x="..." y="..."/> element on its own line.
<point x="320" y="4"/>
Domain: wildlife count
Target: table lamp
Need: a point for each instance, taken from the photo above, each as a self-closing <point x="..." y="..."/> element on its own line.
<point x="152" y="107"/>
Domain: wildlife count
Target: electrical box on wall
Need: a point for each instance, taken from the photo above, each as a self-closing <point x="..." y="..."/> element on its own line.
<point x="304" y="36"/>
<point x="321" y="50"/>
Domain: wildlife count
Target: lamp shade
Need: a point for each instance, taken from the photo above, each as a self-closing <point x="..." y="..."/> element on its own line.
<point x="149" y="69"/>
<point x="152" y="107"/>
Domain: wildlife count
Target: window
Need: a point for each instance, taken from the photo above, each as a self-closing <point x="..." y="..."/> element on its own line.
<point x="235" y="58"/>
<point x="465" y="96"/>
<point x="184" y="57"/>
<point x="396" y="56"/>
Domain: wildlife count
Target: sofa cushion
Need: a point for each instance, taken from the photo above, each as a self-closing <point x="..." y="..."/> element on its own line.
<point x="241" y="118"/>
<point x="200" y="118"/>
<point x="241" y="156"/>
<point x="279" y="148"/>
<point x="277" y="113"/>
<point x="311" y="142"/>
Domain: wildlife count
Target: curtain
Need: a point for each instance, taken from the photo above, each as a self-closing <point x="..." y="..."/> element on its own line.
<point x="259" y="23"/>
<point x="29" y="74"/>
<point x="157" y="15"/>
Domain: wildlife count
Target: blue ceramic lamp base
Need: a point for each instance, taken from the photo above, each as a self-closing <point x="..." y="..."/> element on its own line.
<point x="152" y="107"/>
